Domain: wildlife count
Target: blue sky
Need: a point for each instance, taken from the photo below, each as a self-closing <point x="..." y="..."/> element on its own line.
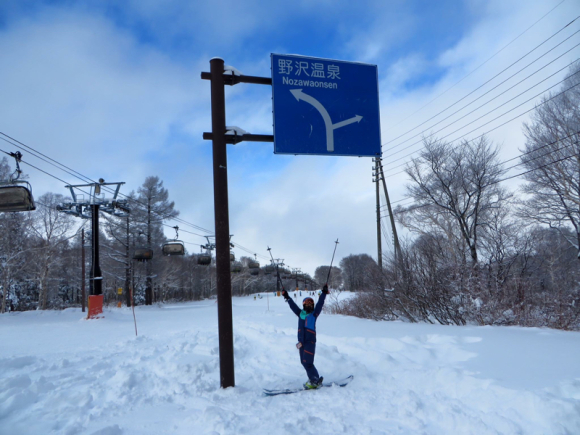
<point x="113" y="90"/>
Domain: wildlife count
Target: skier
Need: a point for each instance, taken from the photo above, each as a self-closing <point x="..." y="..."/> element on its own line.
<point x="307" y="334"/>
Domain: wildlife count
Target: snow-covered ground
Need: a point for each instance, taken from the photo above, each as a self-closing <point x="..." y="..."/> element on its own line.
<point x="61" y="374"/>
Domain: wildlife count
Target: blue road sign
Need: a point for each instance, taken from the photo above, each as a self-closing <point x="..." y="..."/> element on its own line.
<point x="325" y="107"/>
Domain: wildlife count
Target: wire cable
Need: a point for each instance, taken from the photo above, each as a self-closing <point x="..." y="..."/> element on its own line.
<point x="490" y="121"/>
<point x="490" y="100"/>
<point x="78" y="175"/>
<point x="386" y="143"/>
<point x="82" y="177"/>
<point x="408" y="198"/>
<point x="502" y="179"/>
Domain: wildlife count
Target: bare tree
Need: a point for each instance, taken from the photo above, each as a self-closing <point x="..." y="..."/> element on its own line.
<point x="321" y="275"/>
<point x="359" y="272"/>
<point x="50" y="229"/>
<point x="12" y="252"/>
<point x="552" y="155"/>
<point x="454" y="190"/>
<point x="12" y="237"/>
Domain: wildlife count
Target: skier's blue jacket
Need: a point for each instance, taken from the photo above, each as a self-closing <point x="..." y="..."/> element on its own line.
<point x="307" y="321"/>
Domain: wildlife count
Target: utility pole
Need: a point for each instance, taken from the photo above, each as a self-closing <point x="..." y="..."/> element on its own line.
<point x="398" y="253"/>
<point x="379" y="238"/>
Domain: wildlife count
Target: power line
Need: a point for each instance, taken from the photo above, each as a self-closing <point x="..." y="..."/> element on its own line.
<point x="510" y="177"/>
<point x="490" y="121"/>
<point x="492" y="89"/>
<point x="518" y="164"/>
<point x="484" y="64"/>
<point x="494" y="119"/>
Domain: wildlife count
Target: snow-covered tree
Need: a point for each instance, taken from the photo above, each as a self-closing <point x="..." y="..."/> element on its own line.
<point x="552" y="157"/>
<point x="50" y="230"/>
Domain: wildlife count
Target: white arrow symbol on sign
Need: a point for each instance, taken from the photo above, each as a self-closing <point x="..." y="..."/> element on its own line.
<point x="330" y="127"/>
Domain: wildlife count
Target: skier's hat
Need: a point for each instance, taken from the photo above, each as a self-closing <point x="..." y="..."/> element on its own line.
<point x="308" y="298"/>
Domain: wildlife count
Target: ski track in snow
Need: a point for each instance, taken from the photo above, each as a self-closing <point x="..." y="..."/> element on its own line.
<point x="60" y="374"/>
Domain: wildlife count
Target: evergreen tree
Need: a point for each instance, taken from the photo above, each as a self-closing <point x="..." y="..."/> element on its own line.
<point x="152" y="209"/>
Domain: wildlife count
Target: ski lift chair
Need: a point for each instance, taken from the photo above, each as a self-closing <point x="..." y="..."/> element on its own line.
<point x="16" y="196"/>
<point x="232" y="256"/>
<point x="253" y="264"/>
<point x="254" y="271"/>
<point x="142" y="254"/>
<point x="204" y="259"/>
<point x="236" y="267"/>
<point x="174" y="247"/>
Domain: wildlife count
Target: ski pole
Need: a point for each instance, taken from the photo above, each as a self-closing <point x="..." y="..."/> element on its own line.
<point x="331" y="261"/>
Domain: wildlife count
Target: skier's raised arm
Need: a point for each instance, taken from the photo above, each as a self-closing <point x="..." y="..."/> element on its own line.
<point x="320" y="302"/>
<point x="291" y="303"/>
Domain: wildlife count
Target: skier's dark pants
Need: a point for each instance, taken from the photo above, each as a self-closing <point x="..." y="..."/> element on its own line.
<point x="307" y="359"/>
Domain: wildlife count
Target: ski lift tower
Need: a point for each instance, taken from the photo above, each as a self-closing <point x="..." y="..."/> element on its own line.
<point x="87" y="201"/>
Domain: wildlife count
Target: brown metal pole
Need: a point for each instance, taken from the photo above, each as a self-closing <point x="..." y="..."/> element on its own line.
<point x="222" y="224"/>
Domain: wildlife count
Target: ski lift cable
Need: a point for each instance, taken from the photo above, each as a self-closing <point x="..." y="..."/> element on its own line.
<point x="46" y="158"/>
<point x="490" y="100"/>
<point x="88" y="193"/>
<point x="85" y="179"/>
<point x="237" y="245"/>
<point x="463" y="78"/>
<point x="80" y="176"/>
<point x="83" y="191"/>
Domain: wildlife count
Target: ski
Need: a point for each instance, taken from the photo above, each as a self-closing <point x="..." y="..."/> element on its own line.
<point x="341" y="383"/>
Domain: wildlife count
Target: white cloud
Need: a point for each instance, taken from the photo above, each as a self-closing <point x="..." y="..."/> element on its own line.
<point x="89" y="96"/>
<point x="122" y="102"/>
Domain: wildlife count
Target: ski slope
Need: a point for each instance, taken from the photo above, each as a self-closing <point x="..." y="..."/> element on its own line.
<point x="62" y="374"/>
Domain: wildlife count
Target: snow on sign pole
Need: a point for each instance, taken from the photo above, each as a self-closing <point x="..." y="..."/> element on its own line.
<point x="325" y="107"/>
